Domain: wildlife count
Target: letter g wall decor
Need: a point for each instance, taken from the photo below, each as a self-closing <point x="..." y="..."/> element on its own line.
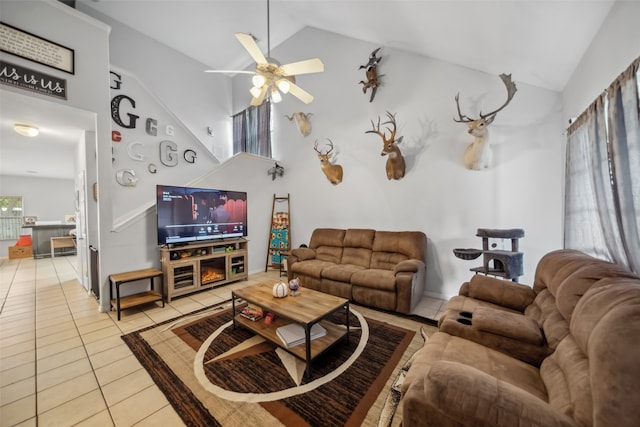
<point x="140" y="137"/>
<point x="150" y="146"/>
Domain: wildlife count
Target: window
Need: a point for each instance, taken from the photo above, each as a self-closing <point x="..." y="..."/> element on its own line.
<point x="10" y="217"/>
<point x="252" y="130"/>
<point x="602" y="187"/>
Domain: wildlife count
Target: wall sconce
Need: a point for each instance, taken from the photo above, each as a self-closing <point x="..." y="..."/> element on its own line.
<point x="26" y="130"/>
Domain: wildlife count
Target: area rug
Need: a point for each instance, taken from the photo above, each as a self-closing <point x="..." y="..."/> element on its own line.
<point x="215" y="375"/>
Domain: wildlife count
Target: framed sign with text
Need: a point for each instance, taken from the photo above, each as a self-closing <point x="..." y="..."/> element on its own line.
<point x="35" y="81"/>
<point x="35" y="48"/>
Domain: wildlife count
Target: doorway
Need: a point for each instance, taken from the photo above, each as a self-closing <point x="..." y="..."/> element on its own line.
<point x="56" y="158"/>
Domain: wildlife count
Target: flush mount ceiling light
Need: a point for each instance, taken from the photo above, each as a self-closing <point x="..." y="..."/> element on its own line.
<point x="26" y="130"/>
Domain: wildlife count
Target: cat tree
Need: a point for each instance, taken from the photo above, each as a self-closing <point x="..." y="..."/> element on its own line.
<point x="497" y="262"/>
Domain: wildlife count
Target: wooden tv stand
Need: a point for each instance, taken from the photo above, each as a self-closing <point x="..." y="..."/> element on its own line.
<point x="198" y="266"/>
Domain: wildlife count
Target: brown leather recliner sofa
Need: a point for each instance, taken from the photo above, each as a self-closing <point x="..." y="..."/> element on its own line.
<point x="381" y="269"/>
<point x="583" y="315"/>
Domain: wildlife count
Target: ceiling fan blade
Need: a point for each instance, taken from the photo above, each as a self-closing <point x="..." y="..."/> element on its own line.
<point x="230" y="71"/>
<point x="257" y="100"/>
<point x="300" y="93"/>
<point x="252" y="47"/>
<point x="303" y="67"/>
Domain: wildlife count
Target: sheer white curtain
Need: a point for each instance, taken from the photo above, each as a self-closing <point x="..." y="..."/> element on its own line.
<point x="624" y="131"/>
<point x="602" y="187"/>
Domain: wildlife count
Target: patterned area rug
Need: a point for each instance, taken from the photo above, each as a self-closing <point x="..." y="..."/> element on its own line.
<point x="214" y="375"/>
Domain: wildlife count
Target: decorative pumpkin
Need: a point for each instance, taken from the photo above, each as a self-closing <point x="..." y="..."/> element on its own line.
<point x="280" y="290"/>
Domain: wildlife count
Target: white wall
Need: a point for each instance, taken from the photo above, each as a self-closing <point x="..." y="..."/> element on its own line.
<point x="199" y="99"/>
<point x="438" y="195"/>
<point x="614" y="48"/>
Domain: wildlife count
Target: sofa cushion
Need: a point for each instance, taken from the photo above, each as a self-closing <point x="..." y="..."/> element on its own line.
<point x="444" y="347"/>
<point x="556" y="266"/>
<point x="356" y="256"/>
<point x="375" y="279"/>
<point x="312" y="267"/>
<point x="357" y="247"/>
<point x="386" y="260"/>
<point x="566" y="376"/>
<point x="341" y="272"/>
<point x="332" y="254"/>
<point x="327" y="243"/>
<point x="578" y="283"/>
<point x="606" y="327"/>
<point x="391" y="247"/>
<point x="454" y="395"/>
<point x="326" y="237"/>
<point x="359" y="238"/>
<point x="544" y="311"/>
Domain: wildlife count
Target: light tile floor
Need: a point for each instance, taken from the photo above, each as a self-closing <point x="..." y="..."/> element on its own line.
<point x="63" y="363"/>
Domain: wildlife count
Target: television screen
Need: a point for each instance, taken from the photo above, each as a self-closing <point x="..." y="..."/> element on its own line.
<point x="188" y="214"/>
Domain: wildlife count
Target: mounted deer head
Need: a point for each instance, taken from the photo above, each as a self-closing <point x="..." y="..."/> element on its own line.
<point x="302" y="122"/>
<point x="371" y="72"/>
<point x="478" y="154"/>
<point x="331" y="171"/>
<point x="395" y="162"/>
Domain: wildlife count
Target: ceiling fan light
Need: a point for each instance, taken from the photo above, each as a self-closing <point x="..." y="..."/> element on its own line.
<point x="258" y="80"/>
<point x="26" y="130"/>
<point x="284" y="85"/>
<point x="275" y="95"/>
<point x="255" y="91"/>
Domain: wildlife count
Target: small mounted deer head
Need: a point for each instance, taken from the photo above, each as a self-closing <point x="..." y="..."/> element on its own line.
<point x="395" y="162"/>
<point x="371" y="72"/>
<point x="331" y="171"/>
<point x="478" y="154"/>
<point x="302" y="122"/>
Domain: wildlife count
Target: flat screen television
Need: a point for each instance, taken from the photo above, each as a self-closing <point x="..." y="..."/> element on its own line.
<point x="187" y="215"/>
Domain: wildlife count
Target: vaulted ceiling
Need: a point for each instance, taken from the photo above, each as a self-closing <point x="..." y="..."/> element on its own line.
<point x="539" y="41"/>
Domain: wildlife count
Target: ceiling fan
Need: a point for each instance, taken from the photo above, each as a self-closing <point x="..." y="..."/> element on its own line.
<point x="271" y="78"/>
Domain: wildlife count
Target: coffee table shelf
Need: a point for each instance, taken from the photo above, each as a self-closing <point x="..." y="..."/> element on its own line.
<point x="306" y="309"/>
<point x="318" y="345"/>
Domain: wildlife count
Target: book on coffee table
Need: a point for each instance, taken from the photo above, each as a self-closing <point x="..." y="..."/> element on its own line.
<point x="293" y="333"/>
<point x="252" y="312"/>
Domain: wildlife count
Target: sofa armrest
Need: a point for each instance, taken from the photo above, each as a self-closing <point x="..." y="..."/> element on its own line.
<point x="452" y="393"/>
<point x="409" y="265"/>
<point x="303" y="254"/>
<point x="464" y="289"/>
<point x="501" y="292"/>
<point x="507" y="324"/>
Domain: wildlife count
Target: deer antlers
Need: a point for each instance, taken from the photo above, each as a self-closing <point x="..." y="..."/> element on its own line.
<point x="315" y="147"/>
<point x="489" y="117"/>
<point x="395" y="166"/>
<point x="376" y="129"/>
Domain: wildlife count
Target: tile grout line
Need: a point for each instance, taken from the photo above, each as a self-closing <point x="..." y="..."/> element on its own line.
<point x="84" y="347"/>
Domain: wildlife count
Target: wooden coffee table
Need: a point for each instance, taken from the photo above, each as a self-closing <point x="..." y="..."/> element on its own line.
<point x="306" y="309"/>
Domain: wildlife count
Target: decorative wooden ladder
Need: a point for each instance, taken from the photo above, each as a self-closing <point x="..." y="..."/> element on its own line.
<point x="279" y="233"/>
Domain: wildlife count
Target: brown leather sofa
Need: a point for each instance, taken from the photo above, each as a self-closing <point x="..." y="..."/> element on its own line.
<point x="584" y="312"/>
<point x="522" y="321"/>
<point x="381" y="269"/>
